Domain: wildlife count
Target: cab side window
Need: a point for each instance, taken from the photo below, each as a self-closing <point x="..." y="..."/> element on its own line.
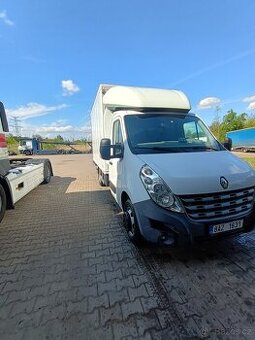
<point x="117" y="135"/>
<point x="194" y="131"/>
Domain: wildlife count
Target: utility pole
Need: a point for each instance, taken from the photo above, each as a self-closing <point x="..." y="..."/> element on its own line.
<point x="217" y="119"/>
<point x="15" y="125"/>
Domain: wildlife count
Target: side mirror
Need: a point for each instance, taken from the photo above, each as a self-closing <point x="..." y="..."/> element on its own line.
<point x="105" y="149"/>
<point x="3" y="118"/>
<point x="108" y="151"/>
<point x="228" y="143"/>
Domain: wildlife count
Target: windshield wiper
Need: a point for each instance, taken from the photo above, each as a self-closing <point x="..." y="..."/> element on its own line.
<point x="212" y="149"/>
<point x="180" y="149"/>
<point x="200" y="148"/>
<point x="158" y="148"/>
<point x="206" y="148"/>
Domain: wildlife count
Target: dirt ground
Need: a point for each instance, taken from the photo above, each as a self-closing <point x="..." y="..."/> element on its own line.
<point x="245" y="154"/>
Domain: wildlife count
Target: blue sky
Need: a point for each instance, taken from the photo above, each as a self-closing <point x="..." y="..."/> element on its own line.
<point x="55" y="53"/>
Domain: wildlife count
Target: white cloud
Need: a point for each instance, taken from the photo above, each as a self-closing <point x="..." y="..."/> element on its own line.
<point x="251" y="106"/>
<point x="249" y="99"/>
<point x="5" y="19"/>
<point x="69" y="87"/>
<point x="55" y="128"/>
<point x="31" y="110"/>
<point x="209" y="102"/>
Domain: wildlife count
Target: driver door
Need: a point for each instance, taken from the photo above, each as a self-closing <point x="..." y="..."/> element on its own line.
<point x="115" y="163"/>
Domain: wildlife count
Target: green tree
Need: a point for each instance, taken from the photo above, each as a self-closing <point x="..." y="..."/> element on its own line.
<point x="250" y="121"/>
<point x="11" y="140"/>
<point x="59" y="138"/>
<point x="216" y="129"/>
<point x="232" y="121"/>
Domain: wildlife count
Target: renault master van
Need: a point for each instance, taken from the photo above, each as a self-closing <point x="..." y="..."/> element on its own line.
<point x="175" y="183"/>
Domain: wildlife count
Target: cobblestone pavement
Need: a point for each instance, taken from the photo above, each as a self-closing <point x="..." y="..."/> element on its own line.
<point x="68" y="271"/>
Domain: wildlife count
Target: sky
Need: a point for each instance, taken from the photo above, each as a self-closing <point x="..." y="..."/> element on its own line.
<point x="55" y="53"/>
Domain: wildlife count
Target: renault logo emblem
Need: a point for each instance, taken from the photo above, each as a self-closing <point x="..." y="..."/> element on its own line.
<point x="223" y="182"/>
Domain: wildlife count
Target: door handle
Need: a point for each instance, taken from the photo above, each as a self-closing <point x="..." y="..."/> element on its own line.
<point x="110" y="163"/>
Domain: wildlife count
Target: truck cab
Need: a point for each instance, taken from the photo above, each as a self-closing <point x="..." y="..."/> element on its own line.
<point x="25" y="147"/>
<point x="28" y="146"/>
<point x="18" y="176"/>
<point x="175" y="183"/>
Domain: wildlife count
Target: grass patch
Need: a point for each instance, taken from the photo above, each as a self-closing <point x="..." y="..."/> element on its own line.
<point x="13" y="147"/>
<point x="251" y="161"/>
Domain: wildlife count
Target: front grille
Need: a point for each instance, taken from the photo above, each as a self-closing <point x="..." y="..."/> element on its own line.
<point x="215" y="205"/>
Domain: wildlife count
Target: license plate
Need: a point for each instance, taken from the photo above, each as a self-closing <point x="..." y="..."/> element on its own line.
<point x="221" y="228"/>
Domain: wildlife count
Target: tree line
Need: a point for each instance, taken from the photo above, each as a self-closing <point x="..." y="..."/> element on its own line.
<point x="230" y="122"/>
<point x="11" y="139"/>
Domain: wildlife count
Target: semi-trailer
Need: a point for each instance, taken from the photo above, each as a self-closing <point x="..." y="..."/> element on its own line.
<point x="243" y="139"/>
<point x="34" y="146"/>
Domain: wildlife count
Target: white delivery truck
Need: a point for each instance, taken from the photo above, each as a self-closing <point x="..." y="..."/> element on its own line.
<point x="18" y="176"/>
<point x="175" y="183"/>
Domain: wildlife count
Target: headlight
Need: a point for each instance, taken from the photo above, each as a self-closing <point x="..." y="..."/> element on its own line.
<point x="158" y="190"/>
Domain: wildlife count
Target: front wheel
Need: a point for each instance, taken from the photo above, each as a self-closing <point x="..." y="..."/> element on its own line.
<point x="100" y="177"/>
<point x="130" y="223"/>
<point x="2" y="202"/>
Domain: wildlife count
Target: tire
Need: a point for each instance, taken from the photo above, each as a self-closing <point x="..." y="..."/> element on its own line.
<point x="47" y="173"/>
<point x="2" y="202"/>
<point x="100" y="178"/>
<point x="130" y="223"/>
<point x="27" y="152"/>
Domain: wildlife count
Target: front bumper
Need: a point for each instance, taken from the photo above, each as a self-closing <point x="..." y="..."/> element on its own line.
<point x="165" y="227"/>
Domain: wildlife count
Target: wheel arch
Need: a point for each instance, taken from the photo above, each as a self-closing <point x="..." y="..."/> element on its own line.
<point x="39" y="161"/>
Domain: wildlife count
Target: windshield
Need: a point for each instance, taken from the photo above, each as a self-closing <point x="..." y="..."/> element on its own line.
<point x="157" y="133"/>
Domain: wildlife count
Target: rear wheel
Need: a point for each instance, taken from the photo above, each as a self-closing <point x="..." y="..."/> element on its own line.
<point x="47" y="173"/>
<point x="2" y="202"/>
<point x="130" y="222"/>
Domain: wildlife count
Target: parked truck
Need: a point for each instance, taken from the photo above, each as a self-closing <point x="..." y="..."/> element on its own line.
<point x="243" y="139"/>
<point x="175" y="183"/>
<point x="28" y="146"/>
<point x="18" y="176"/>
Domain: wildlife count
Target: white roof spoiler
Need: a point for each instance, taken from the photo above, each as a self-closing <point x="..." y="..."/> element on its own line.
<point x="125" y="97"/>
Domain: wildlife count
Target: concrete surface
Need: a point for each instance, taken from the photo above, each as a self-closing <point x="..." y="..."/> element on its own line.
<point x="68" y="271"/>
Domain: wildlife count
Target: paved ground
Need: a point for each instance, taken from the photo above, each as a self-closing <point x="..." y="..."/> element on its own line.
<point x="67" y="271"/>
